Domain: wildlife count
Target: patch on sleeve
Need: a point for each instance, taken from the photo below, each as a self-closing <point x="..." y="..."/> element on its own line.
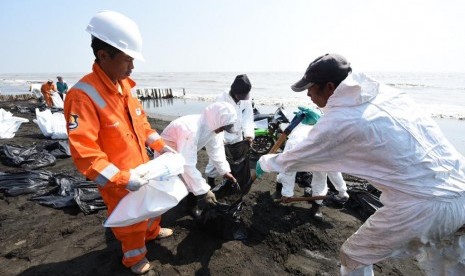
<point x="73" y="121"/>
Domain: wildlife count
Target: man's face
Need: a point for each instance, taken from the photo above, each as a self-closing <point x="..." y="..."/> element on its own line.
<point x="321" y="93"/>
<point x="117" y="68"/>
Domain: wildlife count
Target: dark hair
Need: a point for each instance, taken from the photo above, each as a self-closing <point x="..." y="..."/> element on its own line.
<point x="98" y="45"/>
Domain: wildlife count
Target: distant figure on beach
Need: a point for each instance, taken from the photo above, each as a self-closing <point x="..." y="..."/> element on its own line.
<point x="62" y="86"/>
<point x="47" y="89"/>
<point x="239" y="97"/>
<point x="375" y="132"/>
<point x="109" y="131"/>
<point x="189" y="134"/>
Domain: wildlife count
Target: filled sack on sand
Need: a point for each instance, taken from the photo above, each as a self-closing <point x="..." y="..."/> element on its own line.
<point x="164" y="191"/>
<point x="9" y="124"/>
<point x="25" y="182"/>
<point x="51" y="125"/>
<point x="25" y="157"/>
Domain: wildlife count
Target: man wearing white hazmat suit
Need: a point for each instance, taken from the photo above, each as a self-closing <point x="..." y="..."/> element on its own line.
<point x="189" y="134"/>
<point x="239" y="97"/>
<point x="376" y="132"/>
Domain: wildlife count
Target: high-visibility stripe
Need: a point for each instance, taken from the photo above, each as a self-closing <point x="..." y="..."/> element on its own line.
<point x="150" y="222"/>
<point x="135" y="252"/>
<point x="106" y="174"/>
<point x="92" y="93"/>
<point x="152" y="138"/>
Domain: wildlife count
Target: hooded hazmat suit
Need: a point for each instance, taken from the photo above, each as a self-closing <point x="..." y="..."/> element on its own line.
<point x="189" y="134"/>
<point x="244" y="126"/>
<point x="108" y="134"/>
<point x="377" y="133"/>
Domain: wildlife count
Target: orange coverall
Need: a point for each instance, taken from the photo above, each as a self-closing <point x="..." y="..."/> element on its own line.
<point x="108" y="134"/>
<point x="46" y="90"/>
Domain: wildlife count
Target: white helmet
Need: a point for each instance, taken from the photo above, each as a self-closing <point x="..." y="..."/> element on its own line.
<point x="117" y="30"/>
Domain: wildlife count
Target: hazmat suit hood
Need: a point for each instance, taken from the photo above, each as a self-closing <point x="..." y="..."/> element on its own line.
<point x="218" y="115"/>
<point x="354" y="90"/>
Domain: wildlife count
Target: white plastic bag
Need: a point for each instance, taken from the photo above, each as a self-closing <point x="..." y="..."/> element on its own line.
<point x="51" y="125"/>
<point x="57" y="101"/>
<point x="9" y="124"/>
<point x="164" y="191"/>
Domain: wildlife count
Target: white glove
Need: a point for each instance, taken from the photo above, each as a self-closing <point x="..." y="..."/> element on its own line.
<point x="135" y="182"/>
<point x="206" y="200"/>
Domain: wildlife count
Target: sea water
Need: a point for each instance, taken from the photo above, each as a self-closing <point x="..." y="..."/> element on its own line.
<point x="440" y="95"/>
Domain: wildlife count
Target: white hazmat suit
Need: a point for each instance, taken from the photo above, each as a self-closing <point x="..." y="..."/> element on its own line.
<point x="189" y="134"/>
<point x="376" y="132"/>
<point x="244" y="126"/>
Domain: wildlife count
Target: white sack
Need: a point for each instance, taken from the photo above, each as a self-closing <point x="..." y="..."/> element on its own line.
<point x="57" y="101"/>
<point x="51" y="125"/>
<point x="164" y="191"/>
<point x="164" y="166"/>
<point x="9" y="124"/>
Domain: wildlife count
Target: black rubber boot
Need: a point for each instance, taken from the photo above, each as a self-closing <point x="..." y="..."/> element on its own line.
<point x="277" y="194"/>
<point x="315" y="212"/>
<point x="211" y="182"/>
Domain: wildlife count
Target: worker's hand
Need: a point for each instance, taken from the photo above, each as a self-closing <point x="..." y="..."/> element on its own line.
<point x="234" y="184"/>
<point x="135" y="182"/>
<point x="311" y="116"/>
<point x="166" y="149"/>
<point x="206" y="200"/>
<point x="229" y="176"/>
<point x="258" y="170"/>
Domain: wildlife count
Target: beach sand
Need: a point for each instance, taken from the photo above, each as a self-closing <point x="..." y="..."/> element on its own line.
<point x="283" y="239"/>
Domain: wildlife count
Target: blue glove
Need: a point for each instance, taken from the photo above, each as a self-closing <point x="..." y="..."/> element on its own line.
<point x="258" y="171"/>
<point x="311" y="116"/>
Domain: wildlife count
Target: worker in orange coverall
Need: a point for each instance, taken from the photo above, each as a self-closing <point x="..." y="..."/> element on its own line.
<point x="108" y="129"/>
<point x="47" y="89"/>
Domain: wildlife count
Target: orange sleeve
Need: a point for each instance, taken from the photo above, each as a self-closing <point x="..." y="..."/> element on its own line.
<point x="83" y="128"/>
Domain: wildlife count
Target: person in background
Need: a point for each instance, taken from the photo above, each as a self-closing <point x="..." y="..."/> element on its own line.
<point x="189" y="134"/>
<point x="47" y="89"/>
<point x="319" y="186"/>
<point x="375" y="132"/>
<point x="108" y="129"/>
<point x="239" y="97"/>
<point x="62" y="87"/>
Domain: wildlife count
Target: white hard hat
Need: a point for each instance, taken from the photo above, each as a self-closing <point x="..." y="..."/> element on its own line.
<point x="117" y="30"/>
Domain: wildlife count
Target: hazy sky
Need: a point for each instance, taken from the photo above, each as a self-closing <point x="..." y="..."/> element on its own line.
<point x="42" y="36"/>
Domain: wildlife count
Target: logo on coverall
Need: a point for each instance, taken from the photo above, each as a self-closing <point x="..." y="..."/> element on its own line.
<point x="73" y="121"/>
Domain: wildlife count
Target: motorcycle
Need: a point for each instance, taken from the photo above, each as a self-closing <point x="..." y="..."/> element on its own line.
<point x="268" y="130"/>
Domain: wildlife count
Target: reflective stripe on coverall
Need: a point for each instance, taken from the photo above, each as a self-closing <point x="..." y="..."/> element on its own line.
<point x="108" y="133"/>
<point x="319" y="179"/>
<point x="378" y="133"/>
<point x="189" y="134"/>
<point x="244" y="126"/>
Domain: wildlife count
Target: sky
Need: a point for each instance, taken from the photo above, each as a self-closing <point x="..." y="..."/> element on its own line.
<point x="42" y="36"/>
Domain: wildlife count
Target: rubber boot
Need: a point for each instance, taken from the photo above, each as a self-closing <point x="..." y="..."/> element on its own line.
<point x="315" y="212"/>
<point x="211" y="182"/>
<point x="277" y="194"/>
